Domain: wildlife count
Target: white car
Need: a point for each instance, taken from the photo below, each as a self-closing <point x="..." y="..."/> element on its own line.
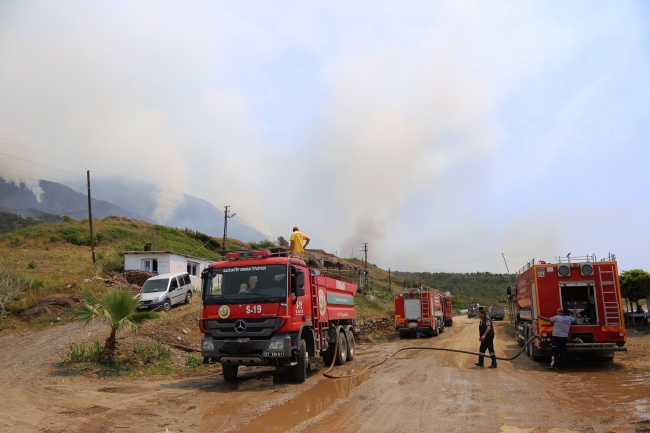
<point x="163" y="291"/>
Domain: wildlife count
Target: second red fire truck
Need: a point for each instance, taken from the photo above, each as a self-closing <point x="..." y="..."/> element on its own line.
<point x="424" y="310"/>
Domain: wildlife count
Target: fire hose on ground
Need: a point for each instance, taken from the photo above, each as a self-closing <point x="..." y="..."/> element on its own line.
<point x="377" y="364"/>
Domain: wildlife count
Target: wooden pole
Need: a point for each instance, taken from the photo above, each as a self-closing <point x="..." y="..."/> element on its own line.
<point x="90" y="220"/>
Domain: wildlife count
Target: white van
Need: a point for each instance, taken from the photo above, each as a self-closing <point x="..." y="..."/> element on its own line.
<point x="163" y="291"/>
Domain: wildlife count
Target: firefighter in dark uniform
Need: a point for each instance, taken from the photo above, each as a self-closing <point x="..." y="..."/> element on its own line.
<point x="486" y="332"/>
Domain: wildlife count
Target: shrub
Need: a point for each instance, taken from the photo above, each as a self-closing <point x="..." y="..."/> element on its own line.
<point x="12" y="284"/>
<point x="158" y="352"/>
<point x="16" y="242"/>
<point x="194" y="361"/>
<point x="79" y="352"/>
<point x="262" y="244"/>
<point x="31" y="265"/>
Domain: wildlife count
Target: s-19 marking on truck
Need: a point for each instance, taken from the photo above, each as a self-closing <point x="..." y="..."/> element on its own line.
<point x="264" y="308"/>
<point x="591" y="287"/>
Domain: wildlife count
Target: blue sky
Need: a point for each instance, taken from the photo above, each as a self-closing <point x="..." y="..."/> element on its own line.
<point x="437" y="132"/>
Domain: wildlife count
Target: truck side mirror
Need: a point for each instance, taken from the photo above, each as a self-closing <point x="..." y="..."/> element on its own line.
<point x="299" y="283"/>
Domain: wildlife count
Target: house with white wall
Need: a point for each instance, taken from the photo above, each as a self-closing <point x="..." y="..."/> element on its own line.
<point x="164" y="262"/>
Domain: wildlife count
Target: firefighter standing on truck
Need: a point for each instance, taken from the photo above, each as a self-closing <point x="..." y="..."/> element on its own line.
<point x="486" y="332"/>
<point x="296" y="241"/>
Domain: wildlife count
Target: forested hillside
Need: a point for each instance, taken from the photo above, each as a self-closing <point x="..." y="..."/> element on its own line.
<point x="484" y="287"/>
<point x="10" y="222"/>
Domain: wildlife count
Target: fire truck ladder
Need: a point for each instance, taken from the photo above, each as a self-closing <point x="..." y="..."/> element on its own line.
<point x="610" y="297"/>
<point x="424" y="305"/>
<point x="320" y="327"/>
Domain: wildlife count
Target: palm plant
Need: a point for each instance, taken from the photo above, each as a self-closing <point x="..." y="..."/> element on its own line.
<point x="118" y="309"/>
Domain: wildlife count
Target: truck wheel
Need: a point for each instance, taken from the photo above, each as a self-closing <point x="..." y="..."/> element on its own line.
<point x="229" y="372"/>
<point x="520" y="338"/>
<point x="188" y="298"/>
<point x="327" y="355"/>
<point x="436" y="329"/>
<point x="166" y="305"/>
<point x="351" y="345"/>
<point x="302" y="358"/>
<point x="442" y="326"/>
<point x="342" y="353"/>
<point x="526" y="337"/>
<point x="403" y="334"/>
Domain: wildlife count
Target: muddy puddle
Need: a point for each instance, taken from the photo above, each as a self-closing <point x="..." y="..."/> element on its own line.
<point x="307" y="405"/>
<point x="619" y="391"/>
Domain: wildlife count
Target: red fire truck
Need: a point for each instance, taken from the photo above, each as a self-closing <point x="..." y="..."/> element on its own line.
<point x="424" y="310"/>
<point x="264" y="308"/>
<point x="591" y="287"/>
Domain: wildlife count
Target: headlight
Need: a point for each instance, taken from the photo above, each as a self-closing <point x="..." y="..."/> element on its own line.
<point x="276" y="346"/>
<point x="207" y="345"/>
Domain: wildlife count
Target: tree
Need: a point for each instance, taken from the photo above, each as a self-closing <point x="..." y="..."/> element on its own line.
<point x="635" y="285"/>
<point x="118" y="309"/>
<point x="11" y="285"/>
<point x="282" y="242"/>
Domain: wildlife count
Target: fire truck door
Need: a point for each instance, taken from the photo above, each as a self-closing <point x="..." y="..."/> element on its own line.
<point x="301" y="299"/>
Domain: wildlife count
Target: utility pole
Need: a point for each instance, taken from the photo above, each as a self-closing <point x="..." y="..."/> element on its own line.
<point x="225" y="226"/>
<point x="90" y="220"/>
<point x="389" y="279"/>
<point x="365" y="262"/>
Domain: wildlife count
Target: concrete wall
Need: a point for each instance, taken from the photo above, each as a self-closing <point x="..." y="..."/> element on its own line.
<point x="167" y="263"/>
<point x="134" y="262"/>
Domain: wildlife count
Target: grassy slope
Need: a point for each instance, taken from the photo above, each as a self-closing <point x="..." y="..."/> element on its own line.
<point x="60" y="256"/>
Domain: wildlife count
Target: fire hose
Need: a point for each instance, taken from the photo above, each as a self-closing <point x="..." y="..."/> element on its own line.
<point x="377" y="364"/>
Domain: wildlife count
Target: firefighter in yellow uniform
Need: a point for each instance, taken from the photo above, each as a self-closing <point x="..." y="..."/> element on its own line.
<point x="296" y="242"/>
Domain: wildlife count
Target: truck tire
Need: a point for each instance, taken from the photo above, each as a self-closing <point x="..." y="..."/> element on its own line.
<point x="449" y="323"/>
<point x="229" y="372"/>
<point x="342" y="352"/>
<point x="436" y="329"/>
<point x="526" y="337"/>
<point x="302" y="361"/>
<point x="530" y="349"/>
<point x="351" y="344"/>
<point x="327" y="355"/>
<point x="188" y="298"/>
<point x="404" y="334"/>
<point x="167" y="305"/>
<point x="520" y="338"/>
<point x="442" y="326"/>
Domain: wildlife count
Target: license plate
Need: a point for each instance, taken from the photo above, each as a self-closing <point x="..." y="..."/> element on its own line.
<point x="272" y="354"/>
<point x="142" y="307"/>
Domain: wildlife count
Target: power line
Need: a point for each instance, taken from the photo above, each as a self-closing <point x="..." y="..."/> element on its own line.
<point x="321" y="235"/>
<point x="442" y="264"/>
<point x="262" y="217"/>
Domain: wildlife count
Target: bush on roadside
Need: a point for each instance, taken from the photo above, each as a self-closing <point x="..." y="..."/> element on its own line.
<point x="157" y="352"/>
<point x="82" y="353"/>
<point x="194" y="361"/>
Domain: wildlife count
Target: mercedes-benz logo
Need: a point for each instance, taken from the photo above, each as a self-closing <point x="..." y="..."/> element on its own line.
<point x="240" y="326"/>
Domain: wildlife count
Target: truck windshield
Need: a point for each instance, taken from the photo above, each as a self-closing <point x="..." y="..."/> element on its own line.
<point x="265" y="283"/>
<point x="151" y="286"/>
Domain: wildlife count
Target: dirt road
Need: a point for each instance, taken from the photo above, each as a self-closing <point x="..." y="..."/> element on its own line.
<point x="420" y="392"/>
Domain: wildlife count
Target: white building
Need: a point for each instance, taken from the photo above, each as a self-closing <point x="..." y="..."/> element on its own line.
<point x="164" y="262"/>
